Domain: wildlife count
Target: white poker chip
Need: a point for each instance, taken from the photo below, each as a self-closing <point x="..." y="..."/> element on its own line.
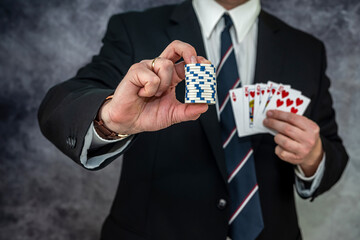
<point x="200" y="70"/>
<point x="200" y="91"/>
<point x="200" y="78"/>
<point x="199" y="64"/>
<point x="200" y="85"/>
<point x="200" y="94"/>
<point x="200" y="98"/>
<point x="211" y="75"/>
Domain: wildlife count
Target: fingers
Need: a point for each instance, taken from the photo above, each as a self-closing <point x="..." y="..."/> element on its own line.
<point x="147" y="81"/>
<point x="293" y="119"/>
<point x="286" y="155"/>
<point x="298" y="137"/>
<point x="177" y="50"/>
<point x="164" y="68"/>
<point x="290" y="149"/>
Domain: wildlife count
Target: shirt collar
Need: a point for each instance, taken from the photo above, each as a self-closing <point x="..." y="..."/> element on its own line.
<point x="209" y="13"/>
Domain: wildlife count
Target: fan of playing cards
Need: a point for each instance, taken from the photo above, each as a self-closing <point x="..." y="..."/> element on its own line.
<point x="251" y="102"/>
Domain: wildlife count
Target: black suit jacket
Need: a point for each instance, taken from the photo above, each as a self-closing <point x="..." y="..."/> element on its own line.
<point x="173" y="179"/>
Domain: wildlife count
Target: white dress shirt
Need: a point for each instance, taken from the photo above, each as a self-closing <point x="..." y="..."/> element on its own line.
<point x="244" y="38"/>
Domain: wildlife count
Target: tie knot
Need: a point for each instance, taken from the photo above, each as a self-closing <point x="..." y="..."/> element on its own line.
<point x="228" y="21"/>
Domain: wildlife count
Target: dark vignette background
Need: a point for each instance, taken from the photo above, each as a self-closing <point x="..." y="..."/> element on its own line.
<point x="44" y="195"/>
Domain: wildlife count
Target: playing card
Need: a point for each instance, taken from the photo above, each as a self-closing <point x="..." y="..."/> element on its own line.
<point x="237" y="107"/>
<point x="248" y="101"/>
<point x="288" y="100"/>
<point x="260" y="90"/>
<point x="260" y="114"/>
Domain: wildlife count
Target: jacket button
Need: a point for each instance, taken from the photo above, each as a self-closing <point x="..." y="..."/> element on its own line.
<point x="221" y="204"/>
<point x="71" y="142"/>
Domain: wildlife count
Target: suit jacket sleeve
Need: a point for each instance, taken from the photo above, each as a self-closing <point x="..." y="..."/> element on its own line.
<point x="324" y="115"/>
<point x="69" y="108"/>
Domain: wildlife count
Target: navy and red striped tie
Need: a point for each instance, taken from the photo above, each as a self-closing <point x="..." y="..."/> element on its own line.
<point x="246" y="221"/>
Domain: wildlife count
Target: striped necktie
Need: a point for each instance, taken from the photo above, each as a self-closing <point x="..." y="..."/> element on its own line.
<point x="246" y="221"/>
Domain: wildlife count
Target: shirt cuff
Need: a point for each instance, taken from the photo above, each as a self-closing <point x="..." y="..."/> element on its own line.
<point x="302" y="182"/>
<point x="93" y="140"/>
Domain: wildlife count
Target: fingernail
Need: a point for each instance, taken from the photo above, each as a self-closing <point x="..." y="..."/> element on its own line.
<point x="193" y="59"/>
<point x="265" y="121"/>
<point x="270" y="113"/>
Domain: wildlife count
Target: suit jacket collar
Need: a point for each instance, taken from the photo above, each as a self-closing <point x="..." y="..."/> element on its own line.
<point x="185" y="27"/>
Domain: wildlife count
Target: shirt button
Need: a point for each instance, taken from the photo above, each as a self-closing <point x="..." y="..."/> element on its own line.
<point x="221" y="204"/>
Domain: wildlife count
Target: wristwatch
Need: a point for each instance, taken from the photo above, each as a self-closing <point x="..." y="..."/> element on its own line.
<point x="103" y="131"/>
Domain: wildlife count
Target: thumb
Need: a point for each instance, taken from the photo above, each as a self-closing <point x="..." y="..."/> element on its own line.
<point x="188" y="112"/>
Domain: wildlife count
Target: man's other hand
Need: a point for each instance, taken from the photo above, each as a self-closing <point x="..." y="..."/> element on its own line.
<point x="145" y="99"/>
<point x="298" y="139"/>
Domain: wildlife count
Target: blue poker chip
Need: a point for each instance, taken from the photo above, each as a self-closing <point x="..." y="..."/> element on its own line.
<point x="210" y="96"/>
<point x="200" y="101"/>
<point x="199" y="74"/>
<point x="207" y="78"/>
<point x="199" y="65"/>
<point x="200" y="70"/>
<point x="193" y="82"/>
<point x="200" y="90"/>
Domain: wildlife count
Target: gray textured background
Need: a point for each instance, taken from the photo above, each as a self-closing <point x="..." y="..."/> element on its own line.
<point x="44" y="195"/>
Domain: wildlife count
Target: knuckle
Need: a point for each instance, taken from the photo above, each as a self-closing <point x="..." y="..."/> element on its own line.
<point x="287" y="129"/>
<point x="316" y="129"/>
<point x="286" y="144"/>
<point x="303" y="152"/>
<point x="168" y="64"/>
<point x="155" y="80"/>
<point x="312" y="142"/>
<point x="135" y="66"/>
<point x="291" y="117"/>
<point x="175" y="42"/>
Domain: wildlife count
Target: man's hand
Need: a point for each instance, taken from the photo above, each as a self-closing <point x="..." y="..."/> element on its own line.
<point x="145" y="98"/>
<point x="298" y="139"/>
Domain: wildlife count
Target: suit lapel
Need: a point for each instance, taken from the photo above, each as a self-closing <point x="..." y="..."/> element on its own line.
<point x="186" y="28"/>
<point x="269" y="57"/>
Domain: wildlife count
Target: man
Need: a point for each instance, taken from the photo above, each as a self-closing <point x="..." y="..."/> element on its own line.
<point x="173" y="182"/>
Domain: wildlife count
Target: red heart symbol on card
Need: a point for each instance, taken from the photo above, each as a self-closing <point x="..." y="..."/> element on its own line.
<point x="299" y="101"/>
<point x="258" y="93"/>
<point x="268" y="90"/>
<point x="284" y="94"/>
<point x="262" y="92"/>
<point x="273" y="90"/>
<point x="294" y="110"/>
<point x="279" y="103"/>
<point x="246" y="95"/>
<point x="252" y="93"/>
<point x="234" y="97"/>
<point x="289" y="102"/>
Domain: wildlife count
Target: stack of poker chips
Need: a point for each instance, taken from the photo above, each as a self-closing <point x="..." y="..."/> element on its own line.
<point x="200" y="83"/>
